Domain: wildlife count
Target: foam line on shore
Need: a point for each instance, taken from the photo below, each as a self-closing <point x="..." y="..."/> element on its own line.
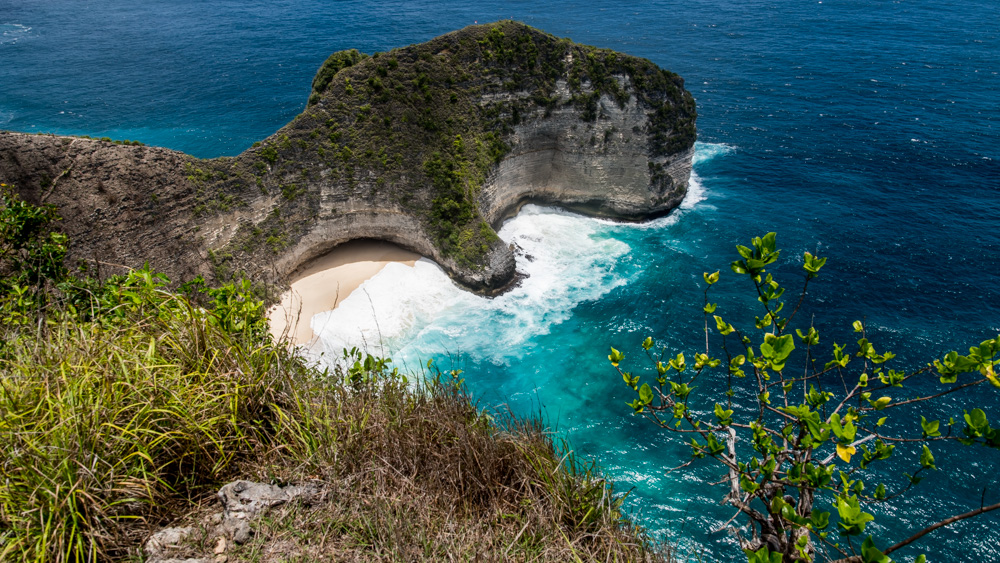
<point x="329" y="280"/>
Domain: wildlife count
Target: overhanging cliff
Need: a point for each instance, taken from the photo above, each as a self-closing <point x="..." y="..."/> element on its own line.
<point x="429" y="146"/>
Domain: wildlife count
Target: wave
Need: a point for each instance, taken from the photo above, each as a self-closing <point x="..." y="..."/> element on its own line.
<point x="10" y="33"/>
<point x="705" y="152"/>
<point x="413" y="313"/>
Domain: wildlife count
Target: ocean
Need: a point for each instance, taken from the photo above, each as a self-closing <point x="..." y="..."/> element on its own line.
<point x="864" y="131"/>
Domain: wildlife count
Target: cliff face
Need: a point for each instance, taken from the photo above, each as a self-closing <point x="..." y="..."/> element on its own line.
<point x="605" y="168"/>
<point x="429" y="146"/>
<point x="121" y="205"/>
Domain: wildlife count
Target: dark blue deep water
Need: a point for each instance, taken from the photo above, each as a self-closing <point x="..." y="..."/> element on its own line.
<point x="865" y="131"/>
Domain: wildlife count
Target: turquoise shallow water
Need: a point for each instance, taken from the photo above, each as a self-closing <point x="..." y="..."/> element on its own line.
<point x="866" y="131"/>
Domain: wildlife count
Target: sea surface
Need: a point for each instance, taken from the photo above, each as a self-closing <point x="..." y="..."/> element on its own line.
<point x="864" y="131"/>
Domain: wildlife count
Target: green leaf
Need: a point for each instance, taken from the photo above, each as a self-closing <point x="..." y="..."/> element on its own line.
<point x="722" y="326"/>
<point x="762" y="555"/>
<point x="927" y="458"/>
<point x="820" y="520"/>
<point x="812" y="264"/>
<point x="881" y="403"/>
<point x="709" y="308"/>
<point x="678" y="363"/>
<point x="977" y="419"/>
<point x="711" y="278"/>
<point x="776" y="349"/>
<point x="871" y="554"/>
<point x="852" y="518"/>
<point x="713" y="445"/>
<point x="858" y="326"/>
<point x="931" y="428"/>
<point x="681" y="390"/>
<point x="630" y="380"/>
<point x="647" y="343"/>
<point x="616" y="357"/>
<point x="724" y="415"/>
<point x="748" y="484"/>
<point x="810" y="338"/>
<point x="645" y="394"/>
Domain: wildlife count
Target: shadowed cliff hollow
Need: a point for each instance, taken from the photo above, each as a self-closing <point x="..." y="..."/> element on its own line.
<point x="430" y="146"/>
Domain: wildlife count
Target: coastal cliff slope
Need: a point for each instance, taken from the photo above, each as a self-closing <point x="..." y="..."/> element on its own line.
<point x="429" y="146"/>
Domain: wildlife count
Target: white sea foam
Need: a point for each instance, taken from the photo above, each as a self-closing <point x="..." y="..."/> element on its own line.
<point x="696" y="192"/>
<point x="415" y="313"/>
<point x="704" y="152"/>
<point x="10" y="33"/>
<point x="391" y="305"/>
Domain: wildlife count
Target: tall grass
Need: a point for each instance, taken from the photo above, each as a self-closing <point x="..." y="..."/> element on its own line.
<point x="104" y="422"/>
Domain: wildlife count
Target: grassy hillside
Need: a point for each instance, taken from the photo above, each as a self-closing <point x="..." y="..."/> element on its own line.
<point x="125" y="405"/>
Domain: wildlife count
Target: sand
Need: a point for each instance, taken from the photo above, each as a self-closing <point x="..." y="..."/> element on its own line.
<point x="328" y="280"/>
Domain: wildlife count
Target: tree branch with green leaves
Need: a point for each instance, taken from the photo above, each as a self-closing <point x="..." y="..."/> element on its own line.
<point x="799" y="460"/>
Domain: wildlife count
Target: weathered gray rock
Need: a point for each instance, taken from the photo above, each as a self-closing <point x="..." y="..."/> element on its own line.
<point x="242" y="501"/>
<point x="159" y="545"/>
<point x="604" y="168"/>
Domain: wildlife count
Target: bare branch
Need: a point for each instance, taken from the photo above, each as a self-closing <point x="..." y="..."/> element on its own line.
<point x="940" y="524"/>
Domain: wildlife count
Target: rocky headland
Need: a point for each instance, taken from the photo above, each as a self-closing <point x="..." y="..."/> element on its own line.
<point x="429" y="147"/>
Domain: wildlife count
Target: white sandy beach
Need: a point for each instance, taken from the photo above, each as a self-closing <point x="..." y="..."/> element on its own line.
<point x="327" y="281"/>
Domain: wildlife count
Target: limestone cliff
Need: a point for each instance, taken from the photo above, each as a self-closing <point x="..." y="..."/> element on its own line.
<point x="429" y="146"/>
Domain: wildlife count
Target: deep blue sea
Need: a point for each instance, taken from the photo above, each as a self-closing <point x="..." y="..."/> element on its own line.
<point x="864" y="131"/>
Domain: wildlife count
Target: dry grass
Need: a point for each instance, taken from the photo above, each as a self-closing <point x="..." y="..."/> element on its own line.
<point x="423" y="475"/>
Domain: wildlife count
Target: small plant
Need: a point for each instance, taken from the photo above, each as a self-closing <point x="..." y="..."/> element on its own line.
<point x="269" y="154"/>
<point x="31" y="254"/>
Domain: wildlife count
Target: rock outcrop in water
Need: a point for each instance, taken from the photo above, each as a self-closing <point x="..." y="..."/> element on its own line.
<point x="430" y="147"/>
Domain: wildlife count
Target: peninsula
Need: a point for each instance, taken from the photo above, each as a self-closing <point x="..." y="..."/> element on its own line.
<point x="429" y="147"/>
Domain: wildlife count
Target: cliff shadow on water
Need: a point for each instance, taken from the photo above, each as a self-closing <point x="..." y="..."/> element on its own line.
<point x="429" y="147"/>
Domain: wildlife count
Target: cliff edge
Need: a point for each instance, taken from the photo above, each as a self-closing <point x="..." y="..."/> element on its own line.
<point x="429" y="146"/>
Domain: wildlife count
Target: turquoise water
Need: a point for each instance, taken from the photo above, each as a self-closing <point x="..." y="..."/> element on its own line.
<point x="866" y="131"/>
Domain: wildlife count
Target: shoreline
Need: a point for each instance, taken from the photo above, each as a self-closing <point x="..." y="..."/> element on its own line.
<point x="327" y="281"/>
